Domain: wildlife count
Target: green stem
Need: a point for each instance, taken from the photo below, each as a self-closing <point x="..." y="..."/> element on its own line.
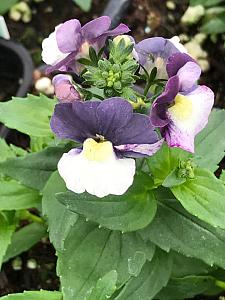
<point x="220" y="284"/>
<point x="147" y="87"/>
<point x="26" y="215"/>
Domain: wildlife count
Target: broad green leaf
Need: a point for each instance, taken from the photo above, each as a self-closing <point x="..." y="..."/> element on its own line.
<point x="173" y="180"/>
<point x="209" y="149"/>
<point x="5" y="5"/>
<point x="203" y="197"/>
<point x="85" y="5"/>
<point x="90" y="252"/>
<point x="6" y="151"/>
<point x="29" y="115"/>
<point x="105" y="287"/>
<point x="153" y="277"/>
<point x="7" y="227"/>
<point x="34" y="169"/>
<point x="34" y="295"/>
<point x="187" y="287"/>
<point x="60" y="219"/>
<point x="215" y="25"/>
<point x="14" y="196"/>
<point x="222" y="176"/>
<point x="164" y="162"/>
<point x="184" y="266"/>
<point x="174" y="228"/>
<point x="132" y="211"/>
<point x="25" y="238"/>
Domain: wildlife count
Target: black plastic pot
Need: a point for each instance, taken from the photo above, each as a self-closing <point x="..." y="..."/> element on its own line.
<point x="16" y="69"/>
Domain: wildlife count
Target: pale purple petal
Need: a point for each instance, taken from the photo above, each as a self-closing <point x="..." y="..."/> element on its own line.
<point x="76" y="121"/>
<point x="188" y="76"/>
<point x="68" y="36"/>
<point x="141" y="149"/>
<point x="182" y="128"/>
<point x="95" y="28"/>
<point x="177" y="61"/>
<point x="158" y="114"/>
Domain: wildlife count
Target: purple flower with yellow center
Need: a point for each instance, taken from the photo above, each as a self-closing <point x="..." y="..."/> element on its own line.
<point x="182" y="110"/>
<point x="71" y="41"/>
<point x="111" y="136"/>
<point x="154" y="52"/>
<point x="64" y="89"/>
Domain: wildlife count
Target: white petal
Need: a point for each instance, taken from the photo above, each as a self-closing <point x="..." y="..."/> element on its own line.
<point x="189" y="118"/>
<point x="176" y="41"/>
<point x="99" y="178"/>
<point x="51" y="54"/>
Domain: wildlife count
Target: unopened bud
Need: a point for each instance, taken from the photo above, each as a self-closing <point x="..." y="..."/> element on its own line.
<point x="65" y="91"/>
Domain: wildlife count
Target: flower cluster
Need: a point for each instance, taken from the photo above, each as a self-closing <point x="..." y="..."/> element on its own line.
<point x="114" y="121"/>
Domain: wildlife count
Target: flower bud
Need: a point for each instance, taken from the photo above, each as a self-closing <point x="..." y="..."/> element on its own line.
<point x="65" y="91"/>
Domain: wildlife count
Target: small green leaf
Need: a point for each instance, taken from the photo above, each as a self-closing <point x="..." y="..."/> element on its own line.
<point x="34" y="295"/>
<point x="7" y="227"/>
<point x="60" y="219"/>
<point x="6" y="151"/>
<point x="129" y="212"/>
<point x="28" y="115"/>
<point x="14" y="196"/>
<point x="173" y="180"/>
<point x="24" y="239"/>
<point x="174" y="228"/>
<point x="34" y="169"/>
<point x="186" y="287"/>
<point x="85" y="5"/>
<point x="105" y="287"/>
<point x="203" y="197"/>
<point x="153" y="277"/>
<point x="222" y="176"/>
<point x="5" y="5"/>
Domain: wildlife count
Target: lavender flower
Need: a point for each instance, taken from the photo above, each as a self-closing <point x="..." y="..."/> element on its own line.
<point x="70" y="41"/>
<point x="182" y="110"/>
<point x="111" y="136"/>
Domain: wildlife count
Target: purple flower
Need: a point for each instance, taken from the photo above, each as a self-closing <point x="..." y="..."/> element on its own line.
<point x="154" y="52"/>
<point x="182" y="110"/>
<point x="64" y="89"/>
<point x="109" y="132"/>
<point x="70" y="41"/>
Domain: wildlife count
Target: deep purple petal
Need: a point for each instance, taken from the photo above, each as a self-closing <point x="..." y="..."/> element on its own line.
<point x="177" y="61"/>
<point x="95" y="28"/>
<point x="188" y="76"/>
<point x="68" y="36"/>
<point x="138" y="150"/>
<point x="113" y="114"/>
<point x="76" y="121"/>
<point x="138" y="130"/>
<point x="159" y="107"/>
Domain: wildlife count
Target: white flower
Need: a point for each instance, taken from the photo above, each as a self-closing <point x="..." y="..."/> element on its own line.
<point x="96" y="169"/>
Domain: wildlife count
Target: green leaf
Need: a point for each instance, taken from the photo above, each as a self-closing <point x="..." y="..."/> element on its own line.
<point x="34" y="169"/>
<point x="90" y="252"/>
<point x="153" y="277"/>
<point x="164" y="162"/>
<point x="60" y="219"/>
<point x="85" y="5"/>
<point x="222" y="176"/>
<point x="14" y="196"/>
<point x="29" y="115"/>
<point x="24" y="239"/>
<point x="105" y="287"/>
<point x="129" y="212"/>
<point x="203" y="197"/>
<point x="173" y="180"/>
<point x="209" y="143"/>
<point x="174" y="228"/>
<point x="6" y="151"/>
<point x="215" y="25"/>
<point x="5" y="5"/>
<point x="205" y="2"/>
<point x="34" y="295"/>
<point x="187" y="287"/>
<point x="7" y="227"/>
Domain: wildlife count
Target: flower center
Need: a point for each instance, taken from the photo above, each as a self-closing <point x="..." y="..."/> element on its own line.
<point x="182" y="108"/>
<point x="97" y="151"/>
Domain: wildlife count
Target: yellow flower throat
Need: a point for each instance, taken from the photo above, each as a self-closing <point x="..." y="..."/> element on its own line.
<point x="97" y="151"/>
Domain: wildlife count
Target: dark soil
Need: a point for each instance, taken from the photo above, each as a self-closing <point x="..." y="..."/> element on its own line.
<point x="47" y="15"/>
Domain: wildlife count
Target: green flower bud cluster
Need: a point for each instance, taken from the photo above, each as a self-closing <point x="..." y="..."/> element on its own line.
<point x="117" y="74"/>
<point x="186" y="169"/>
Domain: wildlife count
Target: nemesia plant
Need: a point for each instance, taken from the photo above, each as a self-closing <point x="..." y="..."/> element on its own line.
<point x="121" y="169"/>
